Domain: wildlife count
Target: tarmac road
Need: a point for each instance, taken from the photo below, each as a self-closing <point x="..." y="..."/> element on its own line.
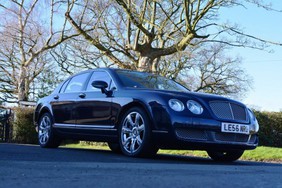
<point x="31" y="166"/>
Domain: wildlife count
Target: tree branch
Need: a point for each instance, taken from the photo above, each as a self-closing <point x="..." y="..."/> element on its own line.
<point x="95" y="42"/>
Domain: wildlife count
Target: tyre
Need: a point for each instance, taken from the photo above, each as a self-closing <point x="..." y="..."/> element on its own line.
<point x="46" y="135"/>
<point x="115" y="147"/>
<point x="225" y="156"/>
<point x="135" y="137"/>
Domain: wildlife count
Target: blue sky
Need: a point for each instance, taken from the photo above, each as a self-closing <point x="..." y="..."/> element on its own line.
<point x="265" y="68"/>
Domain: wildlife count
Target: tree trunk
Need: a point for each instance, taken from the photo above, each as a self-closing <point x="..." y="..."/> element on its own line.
<point x="23" y="85"/>
<point x="148" y="64"/>
<point x="155" y="65"/>
<point x="144" y="64"/>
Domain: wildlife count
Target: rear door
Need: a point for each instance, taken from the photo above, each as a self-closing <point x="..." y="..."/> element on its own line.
<point x="65" y="101"/>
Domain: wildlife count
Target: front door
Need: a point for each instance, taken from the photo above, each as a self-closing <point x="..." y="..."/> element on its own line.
<point x="93" y="108"/>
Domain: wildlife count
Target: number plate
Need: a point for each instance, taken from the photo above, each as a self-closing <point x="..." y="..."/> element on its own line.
<point x="235" y="128"/>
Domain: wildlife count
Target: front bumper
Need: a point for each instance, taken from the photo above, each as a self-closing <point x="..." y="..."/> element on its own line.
<point x="202" y="134"/>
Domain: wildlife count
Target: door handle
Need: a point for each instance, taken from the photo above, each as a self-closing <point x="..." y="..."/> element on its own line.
<point x="56" y="97"/>
<point x="82" y="95"/>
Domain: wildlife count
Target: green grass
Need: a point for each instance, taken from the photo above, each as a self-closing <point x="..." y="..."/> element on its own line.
<point x="261" y="153"/>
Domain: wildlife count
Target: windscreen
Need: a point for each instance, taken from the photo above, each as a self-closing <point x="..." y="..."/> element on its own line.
<point x="147" y="80"/>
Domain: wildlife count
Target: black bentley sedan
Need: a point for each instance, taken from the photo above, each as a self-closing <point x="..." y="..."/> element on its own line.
<point x="137" y="113"/>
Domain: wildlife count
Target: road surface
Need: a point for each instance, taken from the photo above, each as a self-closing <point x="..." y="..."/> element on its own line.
<point x="31" y="166"/>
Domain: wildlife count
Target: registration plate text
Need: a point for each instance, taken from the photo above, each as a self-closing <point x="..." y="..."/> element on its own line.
<point x="235" y="128"/>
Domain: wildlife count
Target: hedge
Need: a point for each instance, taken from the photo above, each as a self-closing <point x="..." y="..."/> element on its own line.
<point x="270" y="133"/>
<point x="23" y="129"/>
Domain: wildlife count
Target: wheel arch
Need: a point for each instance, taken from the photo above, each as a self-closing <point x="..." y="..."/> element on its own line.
<point x="42" y="111"/>
<point x="137" y="104"/>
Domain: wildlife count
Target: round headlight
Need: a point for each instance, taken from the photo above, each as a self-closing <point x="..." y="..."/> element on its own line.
<point x="194" y="107"/>
<point x="176" y="105"/>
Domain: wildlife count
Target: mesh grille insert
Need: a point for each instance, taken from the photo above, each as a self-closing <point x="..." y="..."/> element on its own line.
<point x="230" y="137"/>
<point x="188" y="134"/>
<point x="229" y="111"/>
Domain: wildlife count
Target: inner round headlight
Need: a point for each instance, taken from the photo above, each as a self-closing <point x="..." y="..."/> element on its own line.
<point x="194" y="107"/>
<point x="176" y="105"/>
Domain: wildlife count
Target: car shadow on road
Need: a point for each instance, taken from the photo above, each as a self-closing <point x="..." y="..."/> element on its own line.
<point x="16" y="152"/>
<point x="109" y="156"/>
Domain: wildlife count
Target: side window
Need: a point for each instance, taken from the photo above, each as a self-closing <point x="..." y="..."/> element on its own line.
<point x="99" y="75"/>
<point x="76" y="83"/>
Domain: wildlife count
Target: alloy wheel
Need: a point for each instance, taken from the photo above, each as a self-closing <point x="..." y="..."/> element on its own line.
<point x="132" y="132"/>
<point x="44" y="129"/>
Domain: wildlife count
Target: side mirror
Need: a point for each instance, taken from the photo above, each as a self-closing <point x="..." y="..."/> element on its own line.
<point x="100" y="84"/>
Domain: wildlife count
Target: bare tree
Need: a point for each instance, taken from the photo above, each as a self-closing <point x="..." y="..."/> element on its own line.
<point x="136" y="34"/>
<point x="28" y="30"/>
<point x="45" y="83"/>
<point x="77" y="54"/>
<point x="211" y="71"/>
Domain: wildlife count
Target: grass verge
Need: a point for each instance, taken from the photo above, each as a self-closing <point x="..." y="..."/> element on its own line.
<point x="260" y="154"/>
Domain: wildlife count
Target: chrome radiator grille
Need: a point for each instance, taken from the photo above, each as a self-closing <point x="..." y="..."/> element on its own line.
<point x="229" y="111"/>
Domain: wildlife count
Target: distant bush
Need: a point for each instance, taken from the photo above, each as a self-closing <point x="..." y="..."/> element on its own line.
<point x="270" y="133"/>
<point x="23" y="128"/>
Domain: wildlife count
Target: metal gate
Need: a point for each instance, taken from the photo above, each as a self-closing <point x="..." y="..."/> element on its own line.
<point x="5" y="124"/>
